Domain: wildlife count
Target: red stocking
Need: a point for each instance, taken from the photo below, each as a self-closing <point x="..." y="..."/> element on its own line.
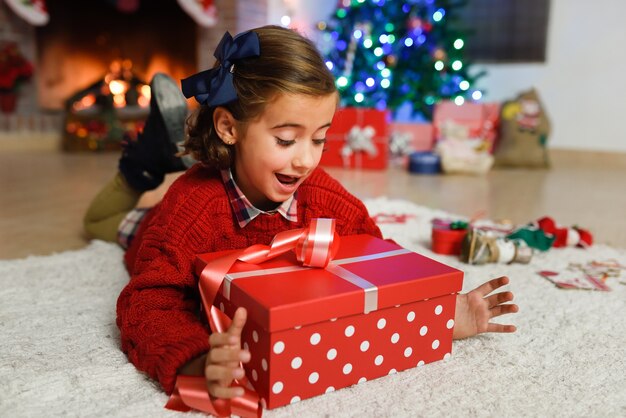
<point x="203" y="12"/>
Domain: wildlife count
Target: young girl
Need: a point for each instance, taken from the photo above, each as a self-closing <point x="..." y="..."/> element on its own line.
<point x="258" y="138"/>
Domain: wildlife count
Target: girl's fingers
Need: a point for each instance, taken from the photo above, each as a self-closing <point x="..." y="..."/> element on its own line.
<point x="216" y="373"/>
<point x="493" y="284"/>
<point x="500" y="328"/>
<point x="499" y="298"/>
<point x="228" y="355"/>
<point x="239" y="320"/>
<point x="221" y="376"/>
<point x="503" y="310"/>
<point x="218" y="339"/>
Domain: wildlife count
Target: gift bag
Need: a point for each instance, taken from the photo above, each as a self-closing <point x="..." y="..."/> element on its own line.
<point x="524" y="130"/>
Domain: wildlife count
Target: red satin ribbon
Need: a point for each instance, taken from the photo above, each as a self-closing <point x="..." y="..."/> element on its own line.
<point x="315" y="246"/>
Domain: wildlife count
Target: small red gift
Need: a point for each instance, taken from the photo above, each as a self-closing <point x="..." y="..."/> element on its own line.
<point x="448" y="236"/>
<point x="375" y="309"/>
<point x="358" y="138"/>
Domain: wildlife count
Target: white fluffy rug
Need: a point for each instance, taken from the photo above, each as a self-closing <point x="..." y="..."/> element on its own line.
<point x="60" y="351"/>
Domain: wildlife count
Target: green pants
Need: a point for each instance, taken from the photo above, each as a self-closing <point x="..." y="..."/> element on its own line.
<point x="108" y="209"/>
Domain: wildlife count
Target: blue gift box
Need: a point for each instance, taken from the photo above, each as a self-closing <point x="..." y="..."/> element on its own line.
<point x="424" y="162"/>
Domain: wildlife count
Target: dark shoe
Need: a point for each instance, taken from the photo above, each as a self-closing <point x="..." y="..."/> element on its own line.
<point x="145" y="162"/>
<point x="171" y="104"/>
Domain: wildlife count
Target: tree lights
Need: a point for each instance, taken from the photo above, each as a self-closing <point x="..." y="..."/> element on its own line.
<point x="386" y="53"/>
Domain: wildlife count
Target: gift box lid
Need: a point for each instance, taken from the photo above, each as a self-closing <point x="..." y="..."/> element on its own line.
<point x="366" y="274"/>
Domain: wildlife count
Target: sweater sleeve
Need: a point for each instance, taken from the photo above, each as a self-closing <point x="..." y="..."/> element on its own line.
<point x="157" y="312"/>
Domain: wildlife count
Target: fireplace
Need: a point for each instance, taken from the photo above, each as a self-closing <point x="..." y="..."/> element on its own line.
<point x="95" y="61"/>
<point x="83" y="39"/>
<point x="81" y="43"/>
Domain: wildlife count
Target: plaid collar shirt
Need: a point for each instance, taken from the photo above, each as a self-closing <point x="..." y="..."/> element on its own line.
<point x="246" y="212"/>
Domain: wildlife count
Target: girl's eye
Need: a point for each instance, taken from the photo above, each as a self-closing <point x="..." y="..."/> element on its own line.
<point x="284" y="143"/>
<point x="321" y="141"/>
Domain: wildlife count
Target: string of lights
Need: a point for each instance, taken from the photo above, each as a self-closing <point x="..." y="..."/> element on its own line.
<point x="387" y="53"/>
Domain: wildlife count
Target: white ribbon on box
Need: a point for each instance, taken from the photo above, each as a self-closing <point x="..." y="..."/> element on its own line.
<point x="359" y="140"/>
<point x="334" y="267"/>
<point x="400" y="143"/>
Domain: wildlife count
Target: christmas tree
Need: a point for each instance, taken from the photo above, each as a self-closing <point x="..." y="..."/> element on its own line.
<point x="392" y="53"/>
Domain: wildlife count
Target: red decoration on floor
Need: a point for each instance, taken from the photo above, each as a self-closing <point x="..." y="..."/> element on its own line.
<point x="565" y="237"/>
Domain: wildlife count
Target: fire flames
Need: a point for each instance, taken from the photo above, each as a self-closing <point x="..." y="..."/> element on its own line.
<point x="119" y="88"/>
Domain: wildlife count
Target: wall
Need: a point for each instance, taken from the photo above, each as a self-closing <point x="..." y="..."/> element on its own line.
<point x="582" y="83"/>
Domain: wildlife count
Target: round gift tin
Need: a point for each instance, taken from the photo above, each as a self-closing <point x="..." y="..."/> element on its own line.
<point x="424" y="162"/>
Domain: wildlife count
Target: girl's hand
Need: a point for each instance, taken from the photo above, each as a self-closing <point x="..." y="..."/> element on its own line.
<point x="222" y="364"/>
<point x="475" y="309"/>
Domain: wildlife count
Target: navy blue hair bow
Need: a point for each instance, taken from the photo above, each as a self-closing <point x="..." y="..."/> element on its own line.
<point x="215" y="87"/>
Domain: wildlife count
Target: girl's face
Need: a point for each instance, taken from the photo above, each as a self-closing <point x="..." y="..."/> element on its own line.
<point x="282" y="147"/>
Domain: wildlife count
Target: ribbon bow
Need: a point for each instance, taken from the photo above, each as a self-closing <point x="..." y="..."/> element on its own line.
<point x="359" y="139"/>
<point x="400" y="143"/>
<point x="215" y="87"/>
<point x="315" y="246"/>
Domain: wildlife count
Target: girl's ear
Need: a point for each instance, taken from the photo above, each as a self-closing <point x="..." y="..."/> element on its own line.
<point x="225" y="125"/>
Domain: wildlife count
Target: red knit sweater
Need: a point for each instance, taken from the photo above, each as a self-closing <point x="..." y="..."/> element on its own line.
<point x="158" y="311"/>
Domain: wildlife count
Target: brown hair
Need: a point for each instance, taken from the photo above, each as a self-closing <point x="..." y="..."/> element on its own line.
<point x="288" y="63"/>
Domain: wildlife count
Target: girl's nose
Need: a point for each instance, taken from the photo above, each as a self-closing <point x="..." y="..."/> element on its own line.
<point x="305" y="157"/>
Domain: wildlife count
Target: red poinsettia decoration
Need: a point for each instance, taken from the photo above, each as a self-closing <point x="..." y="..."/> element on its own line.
<point x="14" y="67"/>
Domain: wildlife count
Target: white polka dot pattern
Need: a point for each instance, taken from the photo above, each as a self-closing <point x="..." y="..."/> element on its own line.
<point x="277" y="387"/>
<point x="320" y="358"/>
<point x="349" y="332"/>
<point x="315" y="339"/>
<point x="296" y="363"/>
<point x="279" y="347"/>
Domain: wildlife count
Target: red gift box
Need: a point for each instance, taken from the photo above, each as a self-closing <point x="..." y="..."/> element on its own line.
<point x="376" y="309"/>
<point x="481" y="119"/>
<point x="447" y="241"/>
<point x="358" y="138"/>
<point x="420" y="136"/>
